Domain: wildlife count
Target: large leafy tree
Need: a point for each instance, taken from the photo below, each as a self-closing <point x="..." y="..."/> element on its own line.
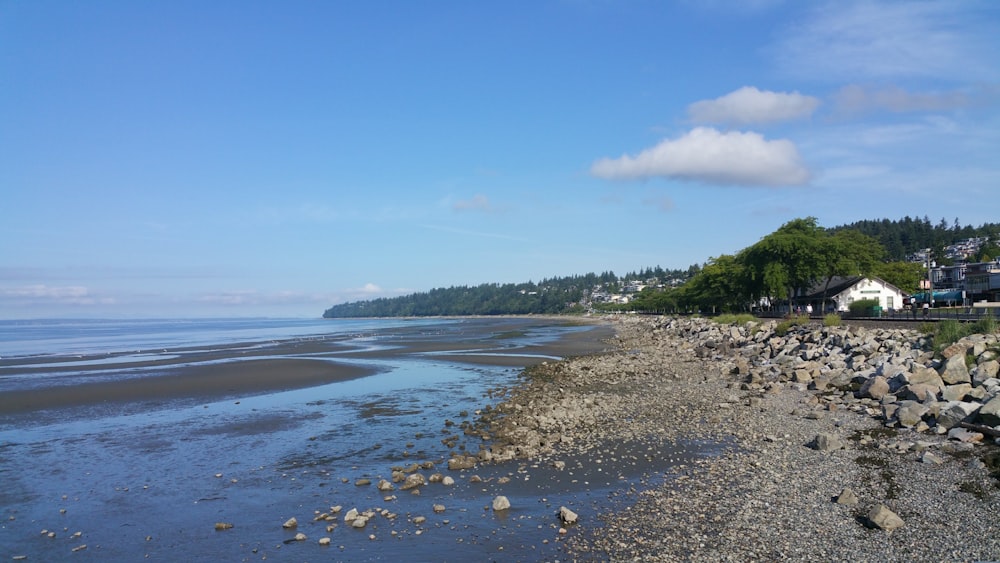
<point x="789" y="259"/>
<point x="904" y="275"/>
<point x="849" y="253"/>
<point x="721" y="284"/>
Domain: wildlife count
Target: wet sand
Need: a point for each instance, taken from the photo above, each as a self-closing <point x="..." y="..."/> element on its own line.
<point x="208" y="373"/>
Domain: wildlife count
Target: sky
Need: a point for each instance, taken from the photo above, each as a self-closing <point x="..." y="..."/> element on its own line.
<point x="182" y="158"/>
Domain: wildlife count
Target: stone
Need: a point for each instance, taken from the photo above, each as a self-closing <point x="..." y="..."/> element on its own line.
<point x="384" y="485"/>
<point x="462" y="462"/>
<point x="223" y="526"/>
<point x="413" y="481"/>
<point x="910" y="413"/>
<point x="989" y="414"/>
<point x="567" y="516"/>
<point x="956" y="392"/>
<point x="847" y="497"/>
<point x="925" y="375"/>
<point x="954" y="370"/>
<point x="875" y="388"/>
<point x="301" y="537"/>
<point x="931" y="458"/>
<point x="956" y="412"/>
<point x="826" y="442"/>
<point x="501" y="503"/>
<point x="324" y="541"/>
<point x="290" y="523"/>
<point x="883" y="518"/>
<point x="965" y="435"/>
<point x="351" y="515"/>
<point x="984" y="371"/>
<point x="920" y="392"/>
<point x="359" y="522"/>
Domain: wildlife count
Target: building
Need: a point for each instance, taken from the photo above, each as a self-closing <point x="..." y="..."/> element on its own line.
<point x="842" y="291"/>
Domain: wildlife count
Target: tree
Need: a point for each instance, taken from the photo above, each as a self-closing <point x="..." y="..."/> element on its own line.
<point x="789" y="259"/>
<point x="849" y="253"/>
<point x="904" y="275"/>
<point x="720" y="285"/>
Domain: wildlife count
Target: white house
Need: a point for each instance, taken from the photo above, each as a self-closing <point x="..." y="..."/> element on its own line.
<point x="842" y="291"/>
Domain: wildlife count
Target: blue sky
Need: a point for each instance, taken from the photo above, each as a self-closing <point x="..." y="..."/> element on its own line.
<point x="243" y="158"/>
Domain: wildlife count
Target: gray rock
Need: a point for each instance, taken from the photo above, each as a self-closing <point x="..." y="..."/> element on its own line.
<point x="989" y="414"/>
<point x="956" y="412"/>
<point x="925" y="375"/>
<point x="964" y="435"/>
<point x="956" y="392"/>
<point x="413" y="481"/>
<point x="875" y="388"/>
<point x="984" y="371"/>
<point x="885" y="519"/>
<point x="847" y="497"/>
<point x="826" y="442"/>
<point x="954" y="370"/>
<point x="910" y="413"/>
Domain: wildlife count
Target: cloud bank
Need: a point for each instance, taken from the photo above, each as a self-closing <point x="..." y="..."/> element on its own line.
<point x="707" y="155"/>
<point x="748" y="105"/>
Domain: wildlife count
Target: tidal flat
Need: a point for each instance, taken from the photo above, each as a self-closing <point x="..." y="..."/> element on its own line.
<point x="202" y="452"/>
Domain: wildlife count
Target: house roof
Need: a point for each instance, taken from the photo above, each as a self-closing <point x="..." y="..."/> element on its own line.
<point x="840" y="284"/>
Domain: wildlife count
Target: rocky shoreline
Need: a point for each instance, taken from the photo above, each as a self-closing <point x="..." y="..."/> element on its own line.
<point x="850" y="443"/>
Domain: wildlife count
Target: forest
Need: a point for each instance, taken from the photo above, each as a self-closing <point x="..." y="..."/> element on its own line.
<point x="799" y="255"/>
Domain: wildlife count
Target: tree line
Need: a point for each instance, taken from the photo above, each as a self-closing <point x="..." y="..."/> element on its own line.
<point x="794" y="258"/>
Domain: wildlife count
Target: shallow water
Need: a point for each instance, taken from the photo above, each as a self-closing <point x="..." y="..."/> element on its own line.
<point x="151" y="480"/>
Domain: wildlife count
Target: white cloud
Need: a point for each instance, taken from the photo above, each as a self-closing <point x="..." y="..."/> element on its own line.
<point x="749" y="105"/>
<point x="37" y="294"/>
<point x="847" y="41"/>
<point x="855" y="99"/>
<point x="710" y="156"/>
<point x="478" y="202"/>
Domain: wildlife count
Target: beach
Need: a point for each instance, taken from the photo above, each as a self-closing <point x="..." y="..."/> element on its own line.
<point x="139" y="453"/>
<point x="649" y="431"/>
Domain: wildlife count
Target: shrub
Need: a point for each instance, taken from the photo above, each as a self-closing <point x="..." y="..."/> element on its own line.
<point x="832" y="319"/>
<point x="863" y="306"/>
<point x="731" y="319"/>
<point x="786" y="325"/>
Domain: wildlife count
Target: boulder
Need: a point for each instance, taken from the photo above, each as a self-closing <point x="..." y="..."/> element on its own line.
<point x="883" y="518"/>
<point x="984" y="371"/>
<point x="989" y="414"/>
<point x="956" y="412"/>
<point x="956" y="392"/>
<point x="925" y="375"/>
<point x="910" y="413"/>
<point x="875" y="388"/>
<point x="954" y="370"/>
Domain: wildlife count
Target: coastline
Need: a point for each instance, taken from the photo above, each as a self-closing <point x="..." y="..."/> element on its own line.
<point x="774" y="494"/>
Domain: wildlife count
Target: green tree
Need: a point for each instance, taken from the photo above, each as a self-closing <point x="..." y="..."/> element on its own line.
<point x="787" y="260"/>
<point x="904" y="275"/>
<point x="720" y="286"/>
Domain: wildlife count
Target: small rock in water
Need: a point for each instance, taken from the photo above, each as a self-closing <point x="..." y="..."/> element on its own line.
<point x="567" y="515"/>
<point x="290" y="523"/>
<point x="324" y="541"/>
<point x="501" y="503"/>
<point x="223" y="525"/>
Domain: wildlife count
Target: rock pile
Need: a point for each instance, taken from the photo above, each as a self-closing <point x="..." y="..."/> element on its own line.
<point x="891" y="374"/>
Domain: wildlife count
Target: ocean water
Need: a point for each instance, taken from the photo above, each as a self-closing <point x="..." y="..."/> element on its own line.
<point x="149" y="480"/>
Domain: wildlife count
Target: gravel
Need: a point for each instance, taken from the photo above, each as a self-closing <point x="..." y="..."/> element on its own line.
<point x="769" y="497"/>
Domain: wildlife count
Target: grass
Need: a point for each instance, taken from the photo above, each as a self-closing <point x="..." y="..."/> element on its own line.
<point x="732" y="319"/>
<point x="790" y="323"/>
<point x="832" y="319"/>
<point x="950" y="331"/>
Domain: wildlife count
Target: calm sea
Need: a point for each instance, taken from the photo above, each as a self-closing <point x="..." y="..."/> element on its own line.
<point x="150" y="480"/>
<point x="100" y="336"/>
